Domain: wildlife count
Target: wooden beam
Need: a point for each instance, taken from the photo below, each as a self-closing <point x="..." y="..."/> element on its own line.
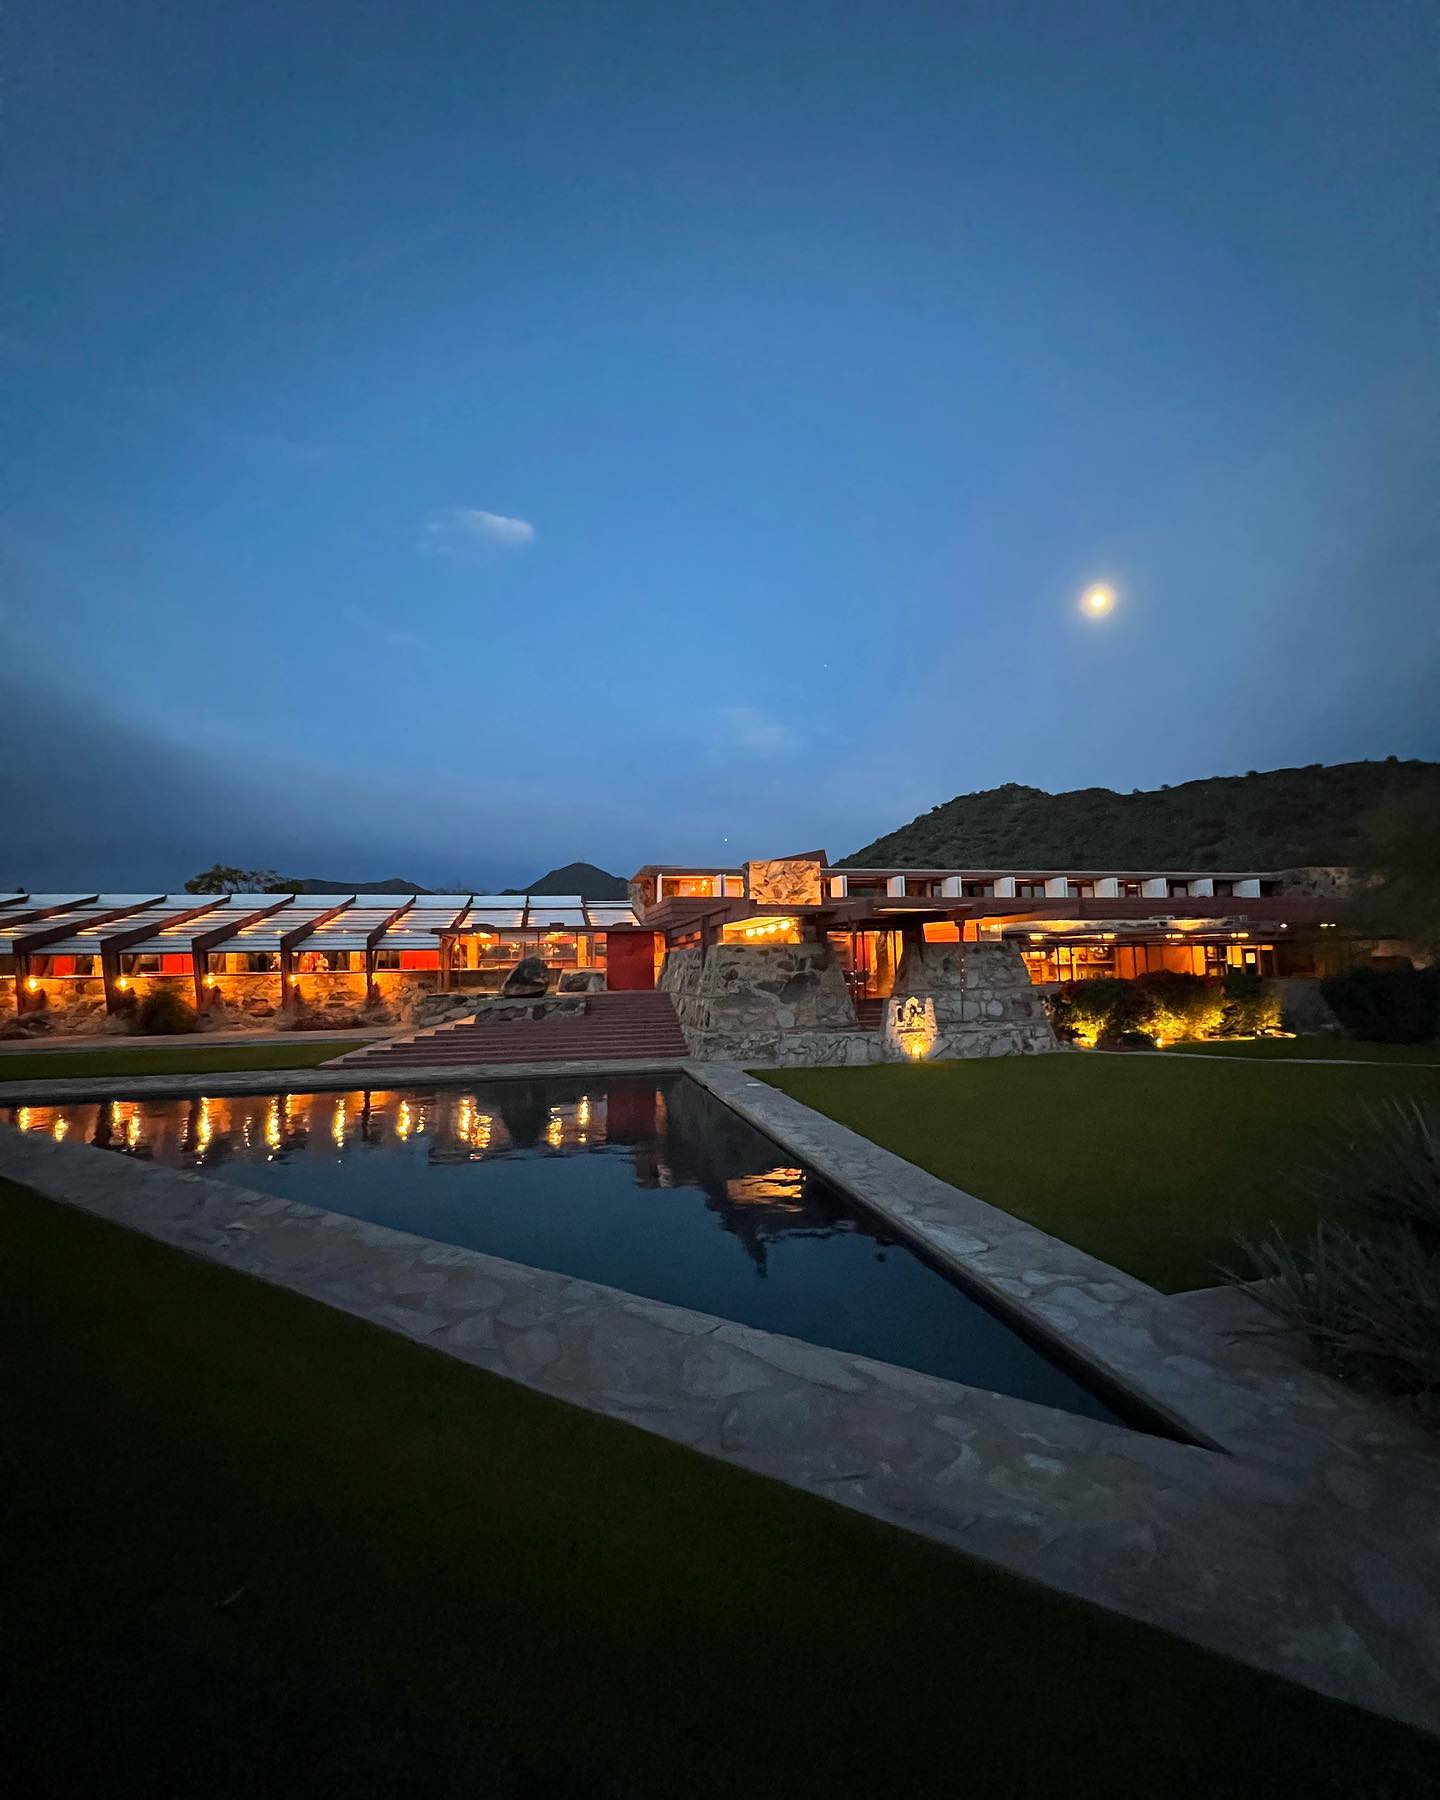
<point x="372" y="942"/>
<point x="27" y="914"/>
<point x="206" y="941"/>
<point x="298" y="935"/>
<point x="112" y="947"/>
<point x="25" y="946"/>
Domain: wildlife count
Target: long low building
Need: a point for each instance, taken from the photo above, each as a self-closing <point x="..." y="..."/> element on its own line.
<point x="278" y="950"/>
<point x="1068" y="924"/>
<point x="256" y="953"/>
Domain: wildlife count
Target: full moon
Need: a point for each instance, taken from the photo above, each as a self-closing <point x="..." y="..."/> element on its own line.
<point x="1098" y="601"/>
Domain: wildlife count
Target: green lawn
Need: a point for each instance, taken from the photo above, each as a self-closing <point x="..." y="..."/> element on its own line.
<point x="1149" y="1162"/>
<point x="255" y="1547"/>
<point x="171" y="1059"/>
<point x="1312" y="1050"/>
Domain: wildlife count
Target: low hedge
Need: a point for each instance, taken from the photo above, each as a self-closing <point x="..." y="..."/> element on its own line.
<point x="1164" y="1004"/>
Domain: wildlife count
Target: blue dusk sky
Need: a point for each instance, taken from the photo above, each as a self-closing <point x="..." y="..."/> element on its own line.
<point x="451" y="440"/>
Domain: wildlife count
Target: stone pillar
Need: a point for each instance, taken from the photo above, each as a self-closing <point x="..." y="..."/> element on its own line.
<point x="953" y="1000"/>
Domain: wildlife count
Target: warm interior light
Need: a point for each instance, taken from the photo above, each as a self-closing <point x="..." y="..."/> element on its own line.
<point x="33" y="985"/>
<point x="123" y="982"/>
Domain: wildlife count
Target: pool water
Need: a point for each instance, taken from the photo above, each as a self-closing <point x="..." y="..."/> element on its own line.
<point x="648" y="1185"/>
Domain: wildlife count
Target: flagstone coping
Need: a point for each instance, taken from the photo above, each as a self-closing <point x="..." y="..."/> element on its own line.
<point x="1308" y="1544"/>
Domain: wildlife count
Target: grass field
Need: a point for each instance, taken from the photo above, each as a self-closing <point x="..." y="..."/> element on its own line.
<point x="1151" y="1163"/>
<point x="170" y="1059"/>
<point x="1312" y="1050"/>
<point x="253" y="1546"/>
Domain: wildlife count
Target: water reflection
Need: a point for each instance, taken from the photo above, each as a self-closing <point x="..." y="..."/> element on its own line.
<point x="676" y="1139"/>
<point x="648" y="1186"/>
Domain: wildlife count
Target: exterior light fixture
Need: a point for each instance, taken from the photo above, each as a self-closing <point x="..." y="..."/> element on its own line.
<point x="123" y="982"/>
<point x="33" y="985"/>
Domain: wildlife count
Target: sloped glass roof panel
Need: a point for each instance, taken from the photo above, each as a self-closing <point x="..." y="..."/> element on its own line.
<point x="430" y="915"/>
<point x="78" y="920"/>
<point x="266" y="933"/>
<point x="352" y="926"/>
<point x="88" y="940"/>
<point x="572" y="917"/>
<point x="612" y="915"/>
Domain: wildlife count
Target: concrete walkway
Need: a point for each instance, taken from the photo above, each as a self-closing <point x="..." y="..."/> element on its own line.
<point x="191" y="1039"/>
<point x="1304" y="1538"/>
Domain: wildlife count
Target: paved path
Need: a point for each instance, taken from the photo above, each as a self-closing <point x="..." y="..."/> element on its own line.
<point x="1305" y="1541"/>
<point x="191" y="1039"/>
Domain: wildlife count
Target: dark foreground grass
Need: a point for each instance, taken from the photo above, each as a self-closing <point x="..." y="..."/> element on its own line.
<point x="1151" y="1163"/>
<point x="171" y="1059"/>
<point x="1311" y="1050"/>
<point x="254" y="1547"/>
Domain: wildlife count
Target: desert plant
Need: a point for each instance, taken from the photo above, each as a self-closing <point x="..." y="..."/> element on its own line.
<point x="1364" y="1288"/>
<point x="1386" y="1006"/>
<point x="163" y="1012"/>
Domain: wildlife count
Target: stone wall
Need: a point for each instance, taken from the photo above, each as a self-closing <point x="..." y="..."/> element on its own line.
<point x="787" y="1005"/>
<point x="784" y="881"/>
<point x="746" y="1001"/>
<point x="953" y="1000"/>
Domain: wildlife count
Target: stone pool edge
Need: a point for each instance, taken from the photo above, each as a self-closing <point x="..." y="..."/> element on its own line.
<point x="1196" y="1543"/>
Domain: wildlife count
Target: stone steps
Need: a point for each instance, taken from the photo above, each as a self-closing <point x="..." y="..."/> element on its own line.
<point x="613" y="1027"/>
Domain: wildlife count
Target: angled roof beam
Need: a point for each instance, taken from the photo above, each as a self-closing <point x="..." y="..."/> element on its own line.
<point x="24" y="947"/>
<point x="204" y="942"/>
<point x="297" y="935"/>
<point x="37" y="940"/>
<point x="372" y="939"/>
<point x="113" y="946"/>
<point x="49" y="912"/>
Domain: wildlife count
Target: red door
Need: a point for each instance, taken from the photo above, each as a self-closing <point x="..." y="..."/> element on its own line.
<point x="629" y="960"/>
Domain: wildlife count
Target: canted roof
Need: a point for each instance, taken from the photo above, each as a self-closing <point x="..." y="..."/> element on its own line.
<point x="171" y="922"/>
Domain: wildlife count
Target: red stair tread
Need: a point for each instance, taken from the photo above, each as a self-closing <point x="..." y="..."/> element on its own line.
<point x="613" y="1027"/>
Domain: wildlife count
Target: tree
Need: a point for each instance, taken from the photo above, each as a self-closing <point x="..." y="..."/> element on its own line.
<point x="1399" y="864"/>
<point x="222" y="879"/>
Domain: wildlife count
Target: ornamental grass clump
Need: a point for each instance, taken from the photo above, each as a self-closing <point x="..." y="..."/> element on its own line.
<point x="1364" y="1288"/>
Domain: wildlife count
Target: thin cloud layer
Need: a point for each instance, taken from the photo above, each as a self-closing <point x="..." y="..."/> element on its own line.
<point x="747" y="728"/>
<point x="456" y="530"/>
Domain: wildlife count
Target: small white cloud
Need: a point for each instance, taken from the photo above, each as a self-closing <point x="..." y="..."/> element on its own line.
<point x="747" y="728"/>
<point x="405" y="640"/>
<point x="457" y="529"/>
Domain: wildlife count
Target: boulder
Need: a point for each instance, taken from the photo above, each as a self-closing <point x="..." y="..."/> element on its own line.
<point x="529" y="977"/>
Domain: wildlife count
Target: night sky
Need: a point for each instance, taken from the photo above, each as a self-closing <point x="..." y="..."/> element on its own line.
<point x="451" y="440"/>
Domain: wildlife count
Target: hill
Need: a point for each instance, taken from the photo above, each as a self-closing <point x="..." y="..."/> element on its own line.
<point x="580" y="878"/>
<point x="318" y="884"/>
<point x="1276" y="819"/>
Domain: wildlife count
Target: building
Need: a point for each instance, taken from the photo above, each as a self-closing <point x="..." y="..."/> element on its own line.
<point x="1067" y="924"/>
<point x="80" y="956"/>
<point x="261" y="953"/>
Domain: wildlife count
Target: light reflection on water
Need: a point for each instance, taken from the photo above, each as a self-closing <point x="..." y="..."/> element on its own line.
<point x="217" y="1128"/>
<point x="648" y="1186"/>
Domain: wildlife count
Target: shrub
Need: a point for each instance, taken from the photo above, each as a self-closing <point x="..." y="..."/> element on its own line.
<point x="1386" y="1006"/>
<point x="1249" y="1004"/>
<point x="1181" y="1006"/>
<point x="162" y="1012"/>
<point x="1163" y="1004"/>
<point x="1098" y="1009"/>
<point x="1365" y="1287"/>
